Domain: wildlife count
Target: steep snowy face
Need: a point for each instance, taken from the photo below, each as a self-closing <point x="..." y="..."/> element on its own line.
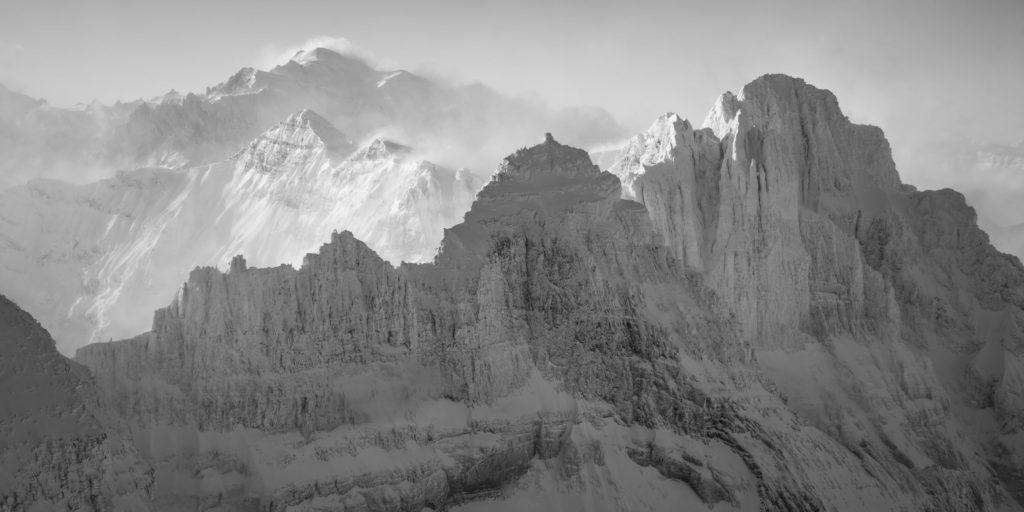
<point x="93" y="261"/>
<point x="294" y="142"/>
<point x="286" y="198"/>
<point x="852" y="288"/>
<point x="460" y="125"/>
<point x="59" y="449"/>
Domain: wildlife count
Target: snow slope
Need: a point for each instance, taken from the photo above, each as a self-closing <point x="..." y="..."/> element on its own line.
<point x="92" y="261"/>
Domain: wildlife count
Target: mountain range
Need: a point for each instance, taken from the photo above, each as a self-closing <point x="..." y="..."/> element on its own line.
<point x="461" y="125"/>
<point x="757" y="314"/>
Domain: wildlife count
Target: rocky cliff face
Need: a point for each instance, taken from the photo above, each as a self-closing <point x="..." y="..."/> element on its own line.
<point x="59" y="449"/>
<point x="558" y="353"/>
<point x="881" y="312"/>
<point x="734" y="199"/>
<point x="93" y="261"/>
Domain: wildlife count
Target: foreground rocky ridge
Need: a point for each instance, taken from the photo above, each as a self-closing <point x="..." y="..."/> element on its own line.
<point x="571" y="349"/>
<point x="93" y="261"/>
<point x="59" y="448"/>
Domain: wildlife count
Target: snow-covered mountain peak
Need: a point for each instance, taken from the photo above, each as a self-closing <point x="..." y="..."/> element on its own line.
<point x="294" y="142"/>
<point x="664" y="135"/>
<point x="722" y="112"/>
<point x="309" y="56"/>
<point x="244" y="81"/>
<point x="324" y="60"/>
<point x="669" y="136"/>
<point x="308" y="121"/>
<point x="671" y="118"/>
<point x="359" y="95"/>
<point x="380" y="148"/>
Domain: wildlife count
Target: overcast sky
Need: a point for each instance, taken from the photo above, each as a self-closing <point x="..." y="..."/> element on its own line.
<point x="919" y="69"/>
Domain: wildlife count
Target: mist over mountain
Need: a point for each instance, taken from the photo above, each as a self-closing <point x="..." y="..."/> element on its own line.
<point x="93" y="261"/>
<point x="332" y="285"/>
<point x="264" y="163"/>
<point x="456" y="125"/>
<point x="756" y="314"/>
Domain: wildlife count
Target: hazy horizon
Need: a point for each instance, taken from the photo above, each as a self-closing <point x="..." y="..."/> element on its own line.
<point x="924" y="71"/>
<point x="887" y="63"/>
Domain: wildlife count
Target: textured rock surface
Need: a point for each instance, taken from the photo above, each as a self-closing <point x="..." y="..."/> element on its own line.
<point x="59" y="449"/>
<point x="446" y="367"/>
<point x="92" y="262"/>
<point x="557" y="354"/>
<point x="882" y="313"/>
